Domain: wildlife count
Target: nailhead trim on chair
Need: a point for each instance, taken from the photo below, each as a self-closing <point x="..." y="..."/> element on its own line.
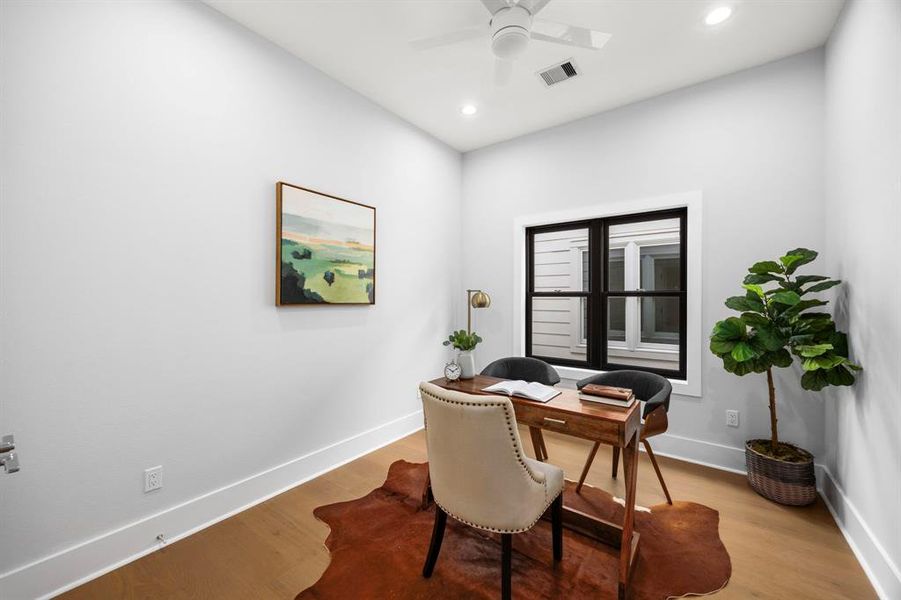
<point x="519" y="458"/>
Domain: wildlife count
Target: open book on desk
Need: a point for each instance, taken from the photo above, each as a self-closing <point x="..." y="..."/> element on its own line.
<point x="524" y="389"/>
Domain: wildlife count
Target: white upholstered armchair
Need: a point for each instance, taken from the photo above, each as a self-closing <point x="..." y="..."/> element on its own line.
<point x="480" y="475"/>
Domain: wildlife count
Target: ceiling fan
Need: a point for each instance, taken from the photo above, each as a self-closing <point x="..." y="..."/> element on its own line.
<point x="511" y="27"/>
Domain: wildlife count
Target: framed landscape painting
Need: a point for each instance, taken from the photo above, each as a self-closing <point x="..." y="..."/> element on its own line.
<point x="326" y="249"/>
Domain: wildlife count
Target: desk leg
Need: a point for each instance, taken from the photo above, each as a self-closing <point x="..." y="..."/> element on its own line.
<point x="537" y="444"/>
<point x="630" y="468"/>
<point x="543" y="447"/>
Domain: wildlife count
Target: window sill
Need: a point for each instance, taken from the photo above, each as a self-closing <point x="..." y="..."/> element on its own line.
<point x="681" y="387"/>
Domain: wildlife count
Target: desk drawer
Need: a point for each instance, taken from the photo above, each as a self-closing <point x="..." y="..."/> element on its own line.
<point x="567" y="423"/>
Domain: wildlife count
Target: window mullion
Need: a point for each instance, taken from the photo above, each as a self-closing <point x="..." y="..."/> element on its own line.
<point x="598" y="285"/>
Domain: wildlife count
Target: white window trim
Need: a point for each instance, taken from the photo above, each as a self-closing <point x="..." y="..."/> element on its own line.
<point x="692" y="385"/>
<point x="576" y="248"/>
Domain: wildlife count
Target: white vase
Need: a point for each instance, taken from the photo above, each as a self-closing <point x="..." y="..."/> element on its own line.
<point x="467" y="364"/>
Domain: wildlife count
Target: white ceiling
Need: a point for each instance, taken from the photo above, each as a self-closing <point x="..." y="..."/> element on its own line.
<point x="657" y="46"/>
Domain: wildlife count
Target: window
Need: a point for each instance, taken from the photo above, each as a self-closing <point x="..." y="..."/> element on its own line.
<point x="609" y="293"/>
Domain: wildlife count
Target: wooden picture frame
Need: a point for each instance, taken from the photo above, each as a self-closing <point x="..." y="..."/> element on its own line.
<point x="325" y="249"/>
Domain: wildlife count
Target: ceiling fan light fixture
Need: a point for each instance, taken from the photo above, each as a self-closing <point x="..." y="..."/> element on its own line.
<point x="510" y="43"/>
<point x="718" y="15"/>
<point x="510" y="32"/>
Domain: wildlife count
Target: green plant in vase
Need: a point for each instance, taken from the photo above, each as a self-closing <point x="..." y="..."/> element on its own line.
<point x="778" y="323"/>
<point x="465" y="342"/>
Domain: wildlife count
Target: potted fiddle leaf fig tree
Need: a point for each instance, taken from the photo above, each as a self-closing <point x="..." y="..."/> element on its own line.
<point x="778" y="323"/>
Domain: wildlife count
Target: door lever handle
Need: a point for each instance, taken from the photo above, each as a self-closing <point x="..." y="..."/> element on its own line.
<point x="7" y="444"/>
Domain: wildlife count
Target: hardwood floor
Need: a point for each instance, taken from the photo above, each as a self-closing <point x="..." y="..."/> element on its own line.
<point x="276" y="549"/>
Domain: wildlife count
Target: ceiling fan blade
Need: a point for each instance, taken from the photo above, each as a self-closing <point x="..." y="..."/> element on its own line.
<point x="495" y="5"/>
<point x="568" y="35"/>
<point x="453" y="37"/>
<point x="533" y="6"/>
<point x="503" y="72"/>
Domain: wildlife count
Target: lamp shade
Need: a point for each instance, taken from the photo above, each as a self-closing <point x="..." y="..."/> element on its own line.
<point x="481" y="300"/>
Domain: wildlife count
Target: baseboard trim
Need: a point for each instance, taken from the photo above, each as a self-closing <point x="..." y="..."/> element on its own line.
<point x="73" y="566"/>
<point x="700" y="452"/>
<point x="883" y="573"/>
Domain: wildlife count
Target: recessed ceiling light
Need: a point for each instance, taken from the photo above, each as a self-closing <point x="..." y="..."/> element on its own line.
<point x="718" y="15"/>
<point x="468" y="110"/>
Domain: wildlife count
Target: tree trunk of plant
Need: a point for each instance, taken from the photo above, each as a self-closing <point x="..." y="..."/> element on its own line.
<point x="774" y="434"/>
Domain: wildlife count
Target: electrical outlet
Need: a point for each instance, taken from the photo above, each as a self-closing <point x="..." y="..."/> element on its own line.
<point x="153" y="478"/>
<point x="732" y="418"/>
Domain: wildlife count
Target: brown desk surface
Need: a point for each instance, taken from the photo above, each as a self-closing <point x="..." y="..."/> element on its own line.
<point x="567" y="401"/>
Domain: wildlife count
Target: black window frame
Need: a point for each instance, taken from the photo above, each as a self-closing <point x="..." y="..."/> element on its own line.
<point x="597" y="295"/>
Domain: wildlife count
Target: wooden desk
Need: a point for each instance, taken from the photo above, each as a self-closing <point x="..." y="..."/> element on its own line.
<point x="569" y="415"/>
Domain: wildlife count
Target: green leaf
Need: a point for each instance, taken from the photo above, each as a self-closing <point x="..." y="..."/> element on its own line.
<point x="766" y="266"/>
<point x="796" y="258"/>
<point x="781" y="358"/>
<point x="814" y="323"/>
<point x="804" y="305"/>
<point x="770" y="338"/>
<point x="731" y="329"/>
<point x="805" y="279"/>
<point x="758" y="278"/>
<point x="743" y="368"/>
<point x="815" y="316"/>
<point x="814" y="380"/>
<point x="743" y="351"/>
<point x="786" y="297"/>
<point x="801" y="339"/>
<point x="721" y="347"/>
<point x="755" y="289"/>
<point x="760" y="364"/>
<point x="839" y="343"/>
<point x="824" y="361"/>
<point x="739" y="303"/>
<point x="839" y="376"/>
<point x="753" y="319"/>
<point x="810" y="351"/>
<point x="755" y="303"/>
<point x="790" y="285"/>
<point x="738" y="368"/>
<point x="823" y="286"/>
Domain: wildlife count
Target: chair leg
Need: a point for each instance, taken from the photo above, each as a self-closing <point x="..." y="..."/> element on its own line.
<point x="557" y="527"/>
<point x="615" y="461"/>
<point x="437" y="538"/>
<point x="647" y="447"/>
<point x="594" y="450"/>
<point x="506" y="565"/>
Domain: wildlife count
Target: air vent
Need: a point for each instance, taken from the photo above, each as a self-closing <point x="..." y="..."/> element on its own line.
<point x="557" y="73"/>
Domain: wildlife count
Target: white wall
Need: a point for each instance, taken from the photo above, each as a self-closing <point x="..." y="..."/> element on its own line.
<point x="752" y="142"/>
<point x="863" y="229"/>
<point x="141" y="146"/>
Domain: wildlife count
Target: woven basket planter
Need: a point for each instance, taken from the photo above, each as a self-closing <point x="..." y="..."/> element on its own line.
<point x="791" y="483"/>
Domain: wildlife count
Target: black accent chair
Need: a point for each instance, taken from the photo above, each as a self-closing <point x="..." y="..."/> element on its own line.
<point x="527" y="369"/>
<point x="655" y="391"/>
